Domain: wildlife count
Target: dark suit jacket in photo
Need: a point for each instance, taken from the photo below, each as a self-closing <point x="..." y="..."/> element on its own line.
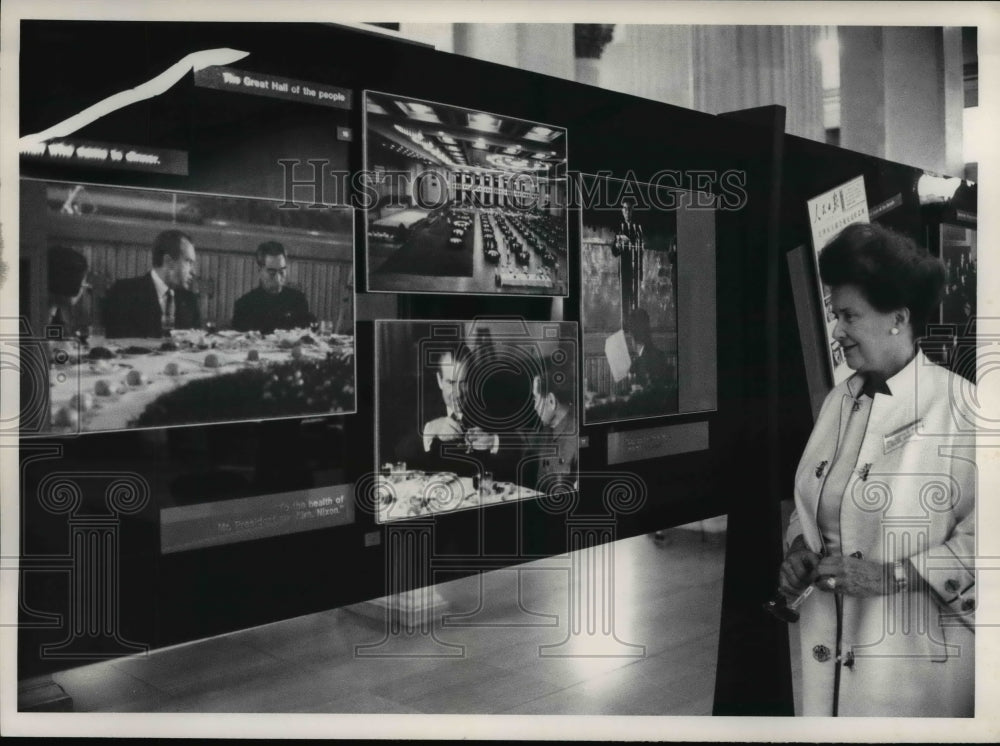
<point x="650" y="368"/>
<point x="132" y="309"/>
<point x="631" y="267"/>
<point x="264" y="312"/>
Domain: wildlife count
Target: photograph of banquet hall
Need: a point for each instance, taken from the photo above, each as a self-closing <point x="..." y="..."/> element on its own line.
<point x="465" y="201"/>
<point x="248" y="335"/>
<point x="629" y="300"/>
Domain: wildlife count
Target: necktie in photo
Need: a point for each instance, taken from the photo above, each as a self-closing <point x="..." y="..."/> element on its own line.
<point x="168" y="310"/>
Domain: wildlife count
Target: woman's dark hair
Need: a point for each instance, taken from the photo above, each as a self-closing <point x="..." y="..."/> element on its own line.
<point x="889" y="268"/>
<point x="67" y="268"/>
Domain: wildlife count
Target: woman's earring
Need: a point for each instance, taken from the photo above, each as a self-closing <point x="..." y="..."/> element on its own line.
<point x="894" y="331"/>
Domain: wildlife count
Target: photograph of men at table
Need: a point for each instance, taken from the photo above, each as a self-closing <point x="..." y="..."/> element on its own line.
<point x="153" y="303"/>
<point x="149" y="281"/>
<point x="468" y="405"/>
<point x="272" y="304"/>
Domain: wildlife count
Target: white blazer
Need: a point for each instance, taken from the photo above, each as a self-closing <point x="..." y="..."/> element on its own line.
<point x="912" y="495"/>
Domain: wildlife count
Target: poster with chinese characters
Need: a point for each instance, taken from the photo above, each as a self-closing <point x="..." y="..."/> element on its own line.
<point x="829" y="214"/>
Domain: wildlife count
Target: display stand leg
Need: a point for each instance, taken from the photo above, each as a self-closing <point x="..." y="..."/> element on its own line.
<point x="412" y="604"/>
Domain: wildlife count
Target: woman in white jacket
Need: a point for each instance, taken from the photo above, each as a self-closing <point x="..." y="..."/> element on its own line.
<point x="884" y="520"/>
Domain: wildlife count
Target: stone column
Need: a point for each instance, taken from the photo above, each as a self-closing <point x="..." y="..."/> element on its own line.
<point x="651" y="61"/>
<point x="901" y="95"/>
<point x="540" y="47"/>
<point x="546" y="48"/>
<point x="493" y="42"/>
<point x="589" y="41"/>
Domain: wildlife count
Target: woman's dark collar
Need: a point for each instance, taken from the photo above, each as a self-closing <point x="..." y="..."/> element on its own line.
<point x="874" y="384"/>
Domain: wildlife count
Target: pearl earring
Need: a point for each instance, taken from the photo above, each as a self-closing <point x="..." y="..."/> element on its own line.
<point x="894" y="331"/>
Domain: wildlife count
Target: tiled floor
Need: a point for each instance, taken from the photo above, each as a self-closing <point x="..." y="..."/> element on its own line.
<point x="654" y="653"/>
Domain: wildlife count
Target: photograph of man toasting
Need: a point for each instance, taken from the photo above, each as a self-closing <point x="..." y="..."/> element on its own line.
<point x="453" y="436"/>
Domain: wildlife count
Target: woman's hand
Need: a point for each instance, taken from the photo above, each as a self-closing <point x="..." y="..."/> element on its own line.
<point x="852" y="576"/>
<point x="798" y="571"/>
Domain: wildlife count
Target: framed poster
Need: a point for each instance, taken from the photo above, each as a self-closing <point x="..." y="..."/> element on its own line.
<point x="829" y="214"/>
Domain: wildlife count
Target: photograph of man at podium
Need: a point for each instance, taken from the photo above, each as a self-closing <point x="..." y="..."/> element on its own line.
<point x="628" y="248"/>
<point x="629" y="300"/>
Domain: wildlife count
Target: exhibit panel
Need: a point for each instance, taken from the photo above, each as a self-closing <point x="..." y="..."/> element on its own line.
<point x="196" y="426"/>
<point x="247" y="518"/>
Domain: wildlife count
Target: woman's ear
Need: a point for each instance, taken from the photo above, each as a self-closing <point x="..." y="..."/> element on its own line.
<point x="902" y="317"/>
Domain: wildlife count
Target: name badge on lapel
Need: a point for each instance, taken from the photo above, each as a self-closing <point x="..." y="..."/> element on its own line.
<point x="896" y="438"/>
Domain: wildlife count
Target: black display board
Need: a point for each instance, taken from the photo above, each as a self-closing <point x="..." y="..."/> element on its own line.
<point x="233" y="142"/>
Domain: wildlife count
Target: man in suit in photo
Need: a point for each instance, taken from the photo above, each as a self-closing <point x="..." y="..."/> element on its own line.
<point x="556" y="457"/>
<point x="454" y="441"/>
<point x="628" y="247"/>
<point x="649" y="364"/>
<point x="272" y="304"/>
<point x="154" y="303"/>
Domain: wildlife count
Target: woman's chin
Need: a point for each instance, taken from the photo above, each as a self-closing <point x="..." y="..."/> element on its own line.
<point x="851" y="360"/>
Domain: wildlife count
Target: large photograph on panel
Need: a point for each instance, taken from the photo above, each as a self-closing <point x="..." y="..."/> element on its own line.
<point x="629" y="302"/>
<point x="173" y="308"/>
<point x="463" y="201"/>
<point x="473" y="413"/>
